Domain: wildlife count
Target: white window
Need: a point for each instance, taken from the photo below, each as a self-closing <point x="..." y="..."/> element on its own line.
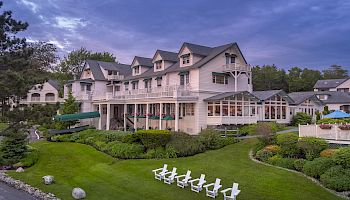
<point x="186" y="59"/>
<point x="159" y="64"/>
<point x="137" y="70"/>
<point x="159" y="82"/>
<point x="148" y="83"/>
<point x="220" y="79"/>
<point x="184" y="79"/>
<point x="135" y="85"/>
<point x="189" y="107"/>
<point x="126" y="86"/>
<point x="230" y="59"/>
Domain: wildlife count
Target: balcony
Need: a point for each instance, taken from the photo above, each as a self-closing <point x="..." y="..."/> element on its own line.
<point x="115" y="77"/>
<point x="153" y="93"/>
<point x="236" y="67"/>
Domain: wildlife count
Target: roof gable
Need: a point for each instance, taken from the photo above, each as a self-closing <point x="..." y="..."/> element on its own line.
<point x="330" y="83"/>
<point x="166" y="55"/>
<point x="143" y="61"/>
<point x="196" y="49"/>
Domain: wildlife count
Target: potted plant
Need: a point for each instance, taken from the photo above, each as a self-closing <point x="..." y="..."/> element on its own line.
<point x="344" y="127"/>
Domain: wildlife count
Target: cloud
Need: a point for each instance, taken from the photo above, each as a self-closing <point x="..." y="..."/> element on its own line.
<point x="31" y="5"/>
<point x="69" y="23"/>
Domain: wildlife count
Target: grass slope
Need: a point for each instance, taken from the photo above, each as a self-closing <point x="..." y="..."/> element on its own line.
<point x="102" y="177"/>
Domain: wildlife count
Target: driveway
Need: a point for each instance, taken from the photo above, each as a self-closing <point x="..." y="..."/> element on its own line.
<point x="9" y="193"/>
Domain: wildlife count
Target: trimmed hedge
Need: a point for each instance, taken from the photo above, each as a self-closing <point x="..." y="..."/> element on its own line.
<point x="328" y="152"/>
<point x="152" y="139"/>
<point x="123" y="150"/>
<point x="301" y="118"/>
<point x="311" y="146"/>
<point x="337" y="178"/>
<point x="342" y="157"/>
<point x="185" y="145"/>
<point x="281" y="162"/>
<point x="288" y="143"/>
<point x="299" y="164"/>
<point x="318" y="166"/>
<point x="160" y="153"/>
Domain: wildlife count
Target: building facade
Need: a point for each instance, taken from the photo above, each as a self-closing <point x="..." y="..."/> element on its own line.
<point x="188" y="90"/>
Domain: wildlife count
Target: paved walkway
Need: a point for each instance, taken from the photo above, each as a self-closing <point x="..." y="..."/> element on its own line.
<point x="9" y="193"/>
<point x="32" y="135"/>
<point x="279" y="132"/>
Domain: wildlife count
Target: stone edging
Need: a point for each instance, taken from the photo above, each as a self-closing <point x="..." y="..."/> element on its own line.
<point x="339" y="194"/>
<point x="19" y="185"/>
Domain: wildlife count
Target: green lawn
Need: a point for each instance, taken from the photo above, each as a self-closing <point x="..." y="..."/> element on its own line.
<point x="103" y="177"/>
<point x="3" y="126"/>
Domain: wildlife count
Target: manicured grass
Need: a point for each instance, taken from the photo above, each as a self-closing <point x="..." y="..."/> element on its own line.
<point x="3" y="126"/>
<point x="102" y="177"/>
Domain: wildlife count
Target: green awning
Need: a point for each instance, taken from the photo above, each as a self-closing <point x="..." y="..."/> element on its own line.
<point x="135" y="81"/>
<point x="147" y="79"/>
<point x="219" y="74"/>
<point x="168" y="118"/>
<point x="154" y="117"/>
<point x="76" y="116"/>
<point x="183" y="73"/>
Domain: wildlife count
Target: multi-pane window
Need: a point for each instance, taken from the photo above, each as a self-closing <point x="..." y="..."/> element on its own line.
<point x="137" y="70"/>
<point x="230" y="59"/>
<point x="220" y="79"/>
<point x="275" y="108"/>
<point x="159" y="64"/>
<point x="184" y="79"/>
<point x="148" y="83"/>
<point x="126" y="86"/>
<point x="159" y="82"/>
<point x="88" y="87"/>
<point x="186" y="59"/>
<point x="135" y="85"/>
<point x="189" y="107"/>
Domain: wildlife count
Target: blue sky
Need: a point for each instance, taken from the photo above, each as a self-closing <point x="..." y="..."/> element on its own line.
<point x="306" y="33"/>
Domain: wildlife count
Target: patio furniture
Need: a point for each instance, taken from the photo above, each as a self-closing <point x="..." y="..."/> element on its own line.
<point x="182" y="180"/>
<point x="170" y="176"/>
<point x="215" y="187"/>
<point x="234" y="192"/>
<point x="159" y="173"/>
<point x="197" y="184"/>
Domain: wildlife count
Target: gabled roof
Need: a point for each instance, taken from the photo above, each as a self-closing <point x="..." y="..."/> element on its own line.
<point x="143" y="61"/>
<point x="335" y="97"/>
<point x="229" y="94"/>
<point x="54" y="84"/>
<point x="300" y="97"/>
<point x="196" y="49"/>
<point x="264" y="95"/>
<point x="167" y="55"/>
<point x="330" y="83"/>
<point x="95" y="67"/>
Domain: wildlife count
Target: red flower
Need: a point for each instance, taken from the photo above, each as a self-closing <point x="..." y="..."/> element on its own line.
<point x="325" y="126"/>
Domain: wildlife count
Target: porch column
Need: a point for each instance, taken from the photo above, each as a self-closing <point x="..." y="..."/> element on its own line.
<point x="124" y="114"/>
<point x="160" y="115"/>
<point x="100" y="119"/>
<point x="135" y="119"/>
<point x="236" y="81"/>
<point x="108" y="116"/>
<point x="113" y="90"/>
<point x="147" y="112"/>
<point x="176" y="116"/>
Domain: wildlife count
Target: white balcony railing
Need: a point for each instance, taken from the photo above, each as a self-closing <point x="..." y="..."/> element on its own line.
<point x="115" y="77"/>
<point x="37" y="99"/>
<point x="237" y="67"/>
<point x="155" y="92"/>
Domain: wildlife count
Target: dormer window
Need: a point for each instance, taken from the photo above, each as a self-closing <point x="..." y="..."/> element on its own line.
<point x="230" y="58"/>
<point x="322" y="97"/>
<point x="158" y="64"/>
<point x="186" y="59"/>
<point x="136" y="70"/>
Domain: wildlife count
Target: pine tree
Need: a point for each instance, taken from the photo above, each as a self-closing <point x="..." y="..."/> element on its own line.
<point x="70" y="106"/>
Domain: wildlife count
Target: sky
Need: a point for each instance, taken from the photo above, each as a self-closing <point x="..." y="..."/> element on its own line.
<point x="287" y="33"/>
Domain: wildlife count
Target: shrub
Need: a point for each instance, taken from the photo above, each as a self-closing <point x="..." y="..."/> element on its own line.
<point x="211" y="139"/>
<point x="160" y="153"/>
<point x="328" y="152"/>
<point x="131" y="138"/>
<point x="299" y="164"/>
<point x="342" y="157"/>
<point x="337" y="178"/>
<point x="185" y="145"/>
<point x="288" y="143"/>
<point x="317" y="167"/>
<point x="29" y="159"/>
<point x="263" y="155"/>
<point x="228" y="141"/>
<point x="248" y="129"/>
<point x="123" y="150"/>
<point x="273" y="148"/>
<point x="301" y="118"/>
<point x="154" y="138"/>
<point x="311" y="146"/>
<point x="281" y="162"/>
<point x="266" y="132"/>
<point x="331" y="121"/>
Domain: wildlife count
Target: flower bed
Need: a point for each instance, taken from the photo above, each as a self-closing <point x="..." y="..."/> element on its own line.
<point x="326" y="126"/>
<point x="344" y="127"/>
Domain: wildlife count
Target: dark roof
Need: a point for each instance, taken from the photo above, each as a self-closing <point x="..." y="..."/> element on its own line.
<point x="197" y="49"/>
<point x="264" y="95"/>
<point x="87" y="80"/>
<point x="227" y="94"/>
<point x="330" y="83"/>
<point x="335" y="97"/>
<point x="95" y="67"/>
<point x="167" y="55"/>
<point x="54" y="84"/>
<point x="300" y="97"/>
<point x="144" y="61"/>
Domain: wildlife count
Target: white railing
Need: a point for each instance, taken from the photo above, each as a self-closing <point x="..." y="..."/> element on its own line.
<point x="83" y="96"/>
<point x="219" y="120"/>
<point x="35" y="99"/>
<point x="115" y="77"/>
<point x="49" y="98"/>
<point x="237" y="67"/>
<point x="174" y="91"/>
<point x="332" y="134"/>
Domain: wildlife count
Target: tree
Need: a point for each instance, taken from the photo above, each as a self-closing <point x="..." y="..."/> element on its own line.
<point x="13" y="148"/>
<point x="268" y="77"/>
<point x="73" y="63"/>
<point x="44" y="55"/>
<point x="294" y="79"/>
<point x="302" y="79"/>
<point x="309" y="77"/>
<point x="335" y="72"/>
<point x="70" y="106"/>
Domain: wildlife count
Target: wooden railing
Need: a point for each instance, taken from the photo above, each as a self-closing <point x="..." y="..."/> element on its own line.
<point x="237" y="67"/>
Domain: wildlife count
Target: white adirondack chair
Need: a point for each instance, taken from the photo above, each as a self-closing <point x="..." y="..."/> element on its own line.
<point x="215" y="187"/>
<point x="182" y="180"/>
<point x="159" y="173"/>
<point x="234" y="192"/>
<point x="170" y="176"/>
<point x="200" y="181"/>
